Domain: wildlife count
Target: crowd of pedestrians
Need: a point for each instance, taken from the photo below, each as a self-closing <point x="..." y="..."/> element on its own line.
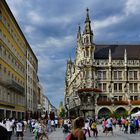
<point x="39" y="128"/>
<point x="79" y="128"/>
<point x="89" y="126"/>
<point x="10" y="127"/>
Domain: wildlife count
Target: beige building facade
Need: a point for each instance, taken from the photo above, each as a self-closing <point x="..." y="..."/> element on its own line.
<point x="31" y="81"/>
<point x="18" y="68"/>
<point x="103" y="78"/>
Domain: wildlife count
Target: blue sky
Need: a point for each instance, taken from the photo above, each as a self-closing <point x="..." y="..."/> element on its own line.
<point x="50" y="27"/>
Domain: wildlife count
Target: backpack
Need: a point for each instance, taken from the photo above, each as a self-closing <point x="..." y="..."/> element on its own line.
<point x="70" y="137"/>
<point x="93" y="126"/>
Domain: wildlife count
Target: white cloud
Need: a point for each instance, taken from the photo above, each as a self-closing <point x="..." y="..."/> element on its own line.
<point x="29" y="29"/>
<point x="58" y="42"/>
<point x="105" y="23"/>
<point x="60" y="20"/>
<point x="35" y="17"/>
<point x="132" y="7"/>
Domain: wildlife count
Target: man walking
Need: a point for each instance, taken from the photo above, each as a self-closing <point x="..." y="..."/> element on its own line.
<point x="9" y="126"/>
<point x="19" y="130"/>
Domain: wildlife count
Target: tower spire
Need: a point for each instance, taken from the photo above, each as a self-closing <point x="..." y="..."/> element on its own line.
<point x="87" y="17"/>
<point x="87" y="29"/>
<point x="79" y="33"/>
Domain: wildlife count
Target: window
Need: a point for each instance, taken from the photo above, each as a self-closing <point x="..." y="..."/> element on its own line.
<point x="87" y="52"/>
<point x="120" y="75"/>
<point x="135" y="97"/>
<point x="131" y="87"/>
<point x="135" y="75"/>
<point x="115" y="87"/>
<point x="131" y="98"/>
<point x="104" y="86"/>
<point x="4" y="21"/>
<point x="8" y="73"/>
<point x="115" y="75"/>
<point x="135" y="87"/>
<point x="99" y="75"/>
<point x="87" y="74"/>
<point x="5" y="52"/>
<point x="8" y="27"/>
<point x="100" y="86"/>
<point x="120" y="98"/>
<point x="4" y="69"/>
<point x="115" y="98"/>
<point x="9" y="56"/>
<point x="12" y="75"/>
<point x="120" y="87"/>
<point x="4" y="36"/>
<point x="104" y="75"/>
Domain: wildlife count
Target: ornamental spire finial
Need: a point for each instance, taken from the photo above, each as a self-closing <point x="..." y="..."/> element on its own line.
<point x="87" y="17"/>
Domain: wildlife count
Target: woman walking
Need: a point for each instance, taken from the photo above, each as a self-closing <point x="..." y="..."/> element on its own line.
<point x="42" y="131"/>
<point x="77" y="129"/>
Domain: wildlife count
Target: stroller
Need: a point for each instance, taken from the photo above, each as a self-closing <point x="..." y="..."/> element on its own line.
<point x="66" y="128"/>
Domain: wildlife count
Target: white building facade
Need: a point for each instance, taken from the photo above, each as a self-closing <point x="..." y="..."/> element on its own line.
<point x="103" y="78"/>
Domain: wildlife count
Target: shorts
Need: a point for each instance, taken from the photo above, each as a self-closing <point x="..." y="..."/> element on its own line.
<point x="19" y="134"/>
<point x="109" y="129"/>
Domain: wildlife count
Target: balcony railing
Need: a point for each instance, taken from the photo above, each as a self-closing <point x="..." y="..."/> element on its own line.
<point x="10" y="84"/>
<point x="16" y="87"/>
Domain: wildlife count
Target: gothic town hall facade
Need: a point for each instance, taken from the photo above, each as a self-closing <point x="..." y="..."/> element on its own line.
<point x="103" y="78"/>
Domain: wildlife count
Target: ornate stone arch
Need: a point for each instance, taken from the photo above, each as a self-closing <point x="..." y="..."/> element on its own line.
<point x="134" y="110"/>
<point x="121" y="110"/>
<point x="103" y="112"/>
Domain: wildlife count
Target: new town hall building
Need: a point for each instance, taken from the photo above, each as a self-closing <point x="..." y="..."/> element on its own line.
<point x="103" y="78"/>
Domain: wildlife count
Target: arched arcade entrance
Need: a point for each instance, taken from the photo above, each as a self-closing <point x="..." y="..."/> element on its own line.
<point x="121" y="112"/>
<point x="103" y="113"/>
<point x="134" y="110"/>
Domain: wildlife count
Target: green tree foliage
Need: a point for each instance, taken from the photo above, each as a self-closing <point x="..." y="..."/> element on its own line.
<point x="62" y="113"/>
<point x="119" y="115"/>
